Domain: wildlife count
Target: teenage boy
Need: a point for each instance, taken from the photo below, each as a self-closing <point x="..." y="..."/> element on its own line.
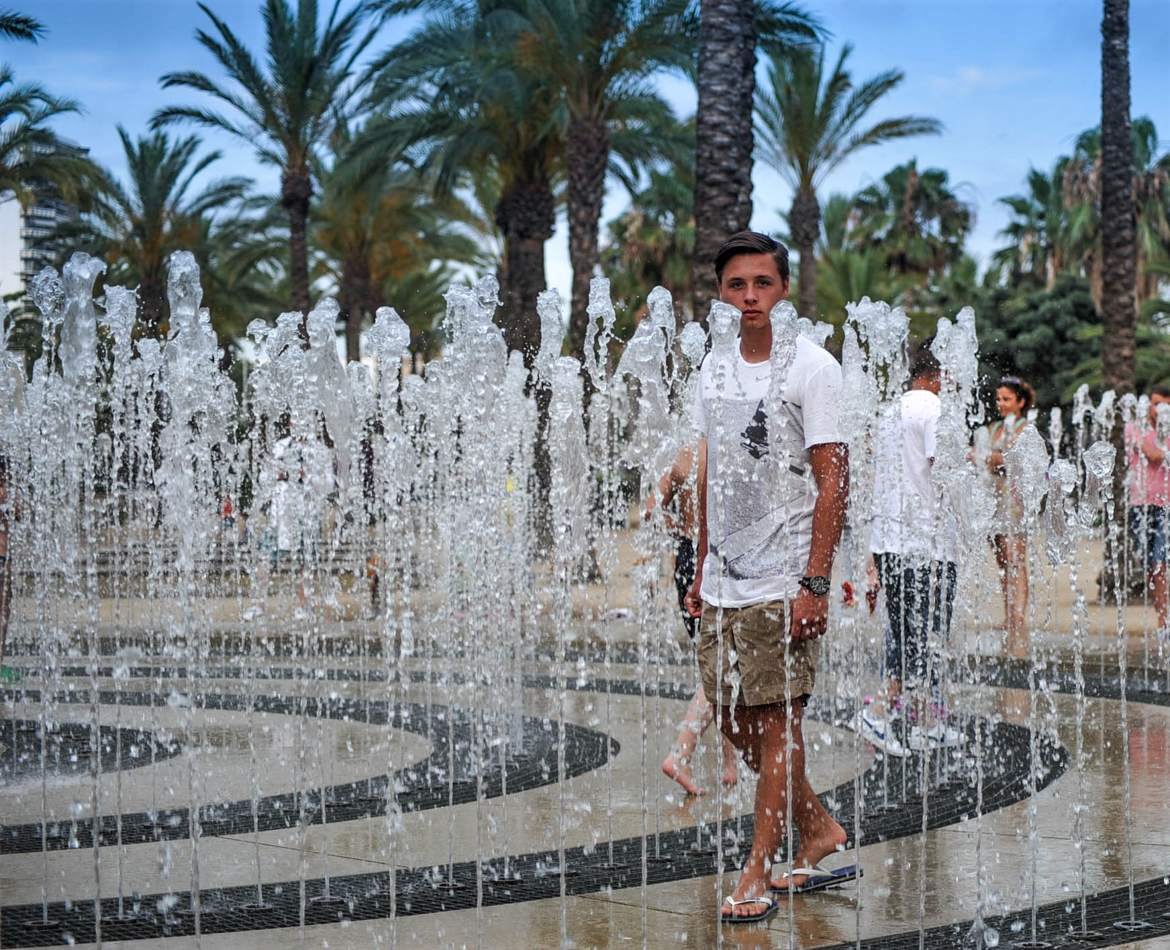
<point x="772" y="501"/>
<point x="914" y="550"/>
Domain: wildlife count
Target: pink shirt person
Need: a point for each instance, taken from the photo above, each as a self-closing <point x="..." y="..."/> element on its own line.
<point x="1149" y="478"/>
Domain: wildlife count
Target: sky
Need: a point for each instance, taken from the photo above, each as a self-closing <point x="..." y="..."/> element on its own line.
<point x="1013" y="83"/>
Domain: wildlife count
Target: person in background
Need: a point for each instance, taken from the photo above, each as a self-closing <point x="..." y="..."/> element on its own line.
<point x="1149" y="495"/>
<point x="1013" y="399"/>
<point x="914" y="547"/>
<point x="677" y="499"/>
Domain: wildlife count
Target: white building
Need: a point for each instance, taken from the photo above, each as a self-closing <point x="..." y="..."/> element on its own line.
<point x="22" y="233"/>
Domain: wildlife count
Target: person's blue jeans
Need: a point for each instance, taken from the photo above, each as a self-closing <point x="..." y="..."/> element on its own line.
<point x="920" y="599"/>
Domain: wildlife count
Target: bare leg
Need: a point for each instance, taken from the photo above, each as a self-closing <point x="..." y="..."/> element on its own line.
<point x="820" y="835"/>
<point x="1161" y="595"/>
<point x="1011" y="558"/>
<point x="762" y="739"/>
<point x="1018" y="581"/>
<point x="1003" y="562"/>
<point x="677" y="765"/>
<point x="730" y="762"/>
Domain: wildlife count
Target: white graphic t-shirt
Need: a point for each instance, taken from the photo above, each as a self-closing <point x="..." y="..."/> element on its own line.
<point x="760" y="489"/>
<point x="908" y="518"/>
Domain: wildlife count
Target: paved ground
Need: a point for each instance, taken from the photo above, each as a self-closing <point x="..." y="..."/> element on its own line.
<point x="1025" y="851"/>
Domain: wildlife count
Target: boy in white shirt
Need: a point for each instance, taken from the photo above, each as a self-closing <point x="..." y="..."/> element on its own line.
<point x="913" y="543"/>
<point x="771" y="502"/>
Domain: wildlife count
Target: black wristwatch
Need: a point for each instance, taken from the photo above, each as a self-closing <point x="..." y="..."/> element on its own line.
<point x="818" y="586"/>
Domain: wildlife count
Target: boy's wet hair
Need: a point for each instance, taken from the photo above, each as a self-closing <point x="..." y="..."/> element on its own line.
<point x="751" y="242"/>
<point x="923" y="363"/>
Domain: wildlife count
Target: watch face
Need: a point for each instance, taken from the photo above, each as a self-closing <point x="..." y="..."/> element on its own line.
<point x="816" y="585"/>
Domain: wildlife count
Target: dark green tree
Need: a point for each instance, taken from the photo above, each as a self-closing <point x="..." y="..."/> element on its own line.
<point x="454" y="96"/>
<point x="32" y="157"/>
<point x="651" y="242"/>
<point x="915" y="219"/>
<point x="1118" y="208"/>
<point x="1045" y="337"/>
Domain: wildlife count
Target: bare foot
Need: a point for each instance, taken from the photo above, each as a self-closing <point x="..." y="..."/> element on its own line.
<point x="811" y="853"/>
<point x="676" y="767"/>
<point x="730" y="772"/>
<point x="747" y="889"/>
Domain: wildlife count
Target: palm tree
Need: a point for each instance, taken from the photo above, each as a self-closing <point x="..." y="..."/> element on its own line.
<point x="377" y="229"/>
<point x="726" y="80"/>
<point x="32" y="158"/>
<point x="914" y="219"/>
<point x="809" y="123"/>
<point x="653" y="241"/>
<point x="136" y="227"/>
<point x="452" y="94"/>
<point x="1036" y="233"/>
<point x="18" y="26"/>
<point x="1118" y="238"/>
<point x="598" y="55"/>
<point x="285" y="110"/>
<point x="1082" y="193"/>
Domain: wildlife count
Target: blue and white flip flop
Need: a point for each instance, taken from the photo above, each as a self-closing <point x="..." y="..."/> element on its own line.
<point x="768" y="911"/>
<point x="818" y="878"/>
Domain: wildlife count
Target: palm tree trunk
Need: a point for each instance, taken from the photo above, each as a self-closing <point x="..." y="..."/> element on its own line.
<point x="723" y="136"/>
<point x="804" y="220"/>
<point x="1118" y="214"/>
<point x="151" y="303"/>
<point x="587" y="152"/>
<point x="296" y="190"/>
<point x="352" y="297"/>
<point x="526" y="216"/>
<point x="1118" y="242"/>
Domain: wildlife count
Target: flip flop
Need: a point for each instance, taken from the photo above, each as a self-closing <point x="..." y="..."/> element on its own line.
<point x="767" y="912"/>
<point x="818" y="878"/>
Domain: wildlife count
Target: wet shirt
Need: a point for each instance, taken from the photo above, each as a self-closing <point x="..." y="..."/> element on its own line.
<point x="907" y="517"/>
<point x="760" y="489"/>
<point x="1149" y="482"/>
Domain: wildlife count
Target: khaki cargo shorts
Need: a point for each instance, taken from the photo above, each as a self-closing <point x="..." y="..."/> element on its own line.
<point x="753" y="651"/>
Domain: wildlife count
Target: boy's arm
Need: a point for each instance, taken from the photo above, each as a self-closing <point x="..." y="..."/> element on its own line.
<point x="830" y="468"/>
<point x="693" y="601"/>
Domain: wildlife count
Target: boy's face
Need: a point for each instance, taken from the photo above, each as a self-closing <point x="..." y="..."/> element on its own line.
<point x="752" y="284"/>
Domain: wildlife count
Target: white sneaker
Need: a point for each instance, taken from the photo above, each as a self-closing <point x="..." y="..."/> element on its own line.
<point x="939" y="736"/>
<point x="878" y="733"/>
<point x="944" y="735"/>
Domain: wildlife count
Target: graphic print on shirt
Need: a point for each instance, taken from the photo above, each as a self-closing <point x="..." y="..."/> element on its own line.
<point x="760" y="489"/>
<point x="757" y="511"/>
<point x="755" y="436"/>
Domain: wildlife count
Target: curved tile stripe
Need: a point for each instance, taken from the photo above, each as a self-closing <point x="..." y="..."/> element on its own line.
<point x="69" y="751"/>
<point x="422" y="785"/>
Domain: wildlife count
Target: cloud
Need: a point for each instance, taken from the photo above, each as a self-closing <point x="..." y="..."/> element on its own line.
<point x="966" y="80"/>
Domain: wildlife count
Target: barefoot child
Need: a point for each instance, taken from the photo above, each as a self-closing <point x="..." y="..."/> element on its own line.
<point x="678" y="507"/>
